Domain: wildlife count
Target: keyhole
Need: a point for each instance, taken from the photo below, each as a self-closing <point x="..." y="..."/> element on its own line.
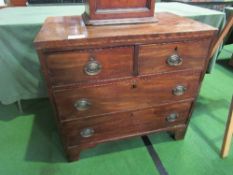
<point x="134" y="85"/>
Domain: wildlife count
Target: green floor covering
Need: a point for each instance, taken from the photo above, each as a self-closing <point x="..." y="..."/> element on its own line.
<point x="30" y="146"/>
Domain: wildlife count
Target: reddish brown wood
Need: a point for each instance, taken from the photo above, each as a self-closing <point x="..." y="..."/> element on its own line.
<point x="18" y="2"/>
<point x="153" y="58"/>
<point x="119" y="126"/>
<point x="73" y="153"/>
<point x="227" y="28"/>
<point x="115" y="63"/>
<point x="105" y="4"/>
<point x="107" y="11"/>
<point x="122" y="96"/>
<point x="59" y="32"/>
<point x="133" y="93"/>
<point x="178" y="134"/>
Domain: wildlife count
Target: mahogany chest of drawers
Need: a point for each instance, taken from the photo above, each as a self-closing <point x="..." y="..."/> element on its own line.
<point x="117" y="81"/>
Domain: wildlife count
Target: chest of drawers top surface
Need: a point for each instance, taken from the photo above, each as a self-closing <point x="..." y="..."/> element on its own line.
<point x="71" y="31"/>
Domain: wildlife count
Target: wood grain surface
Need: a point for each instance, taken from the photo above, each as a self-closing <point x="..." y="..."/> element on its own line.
<point x="137" y="92"/>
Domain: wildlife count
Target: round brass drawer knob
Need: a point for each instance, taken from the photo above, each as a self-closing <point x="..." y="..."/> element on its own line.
<point x="87" y="132"/>
<point x="179" y="90"/>
<point x="172" y="117"/>
<point x="82" y="104"/>
<point x="174" y="60"/>
<point x="93" y="67"/>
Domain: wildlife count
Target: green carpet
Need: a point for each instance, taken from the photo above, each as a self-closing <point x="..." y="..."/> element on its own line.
<point x="30" y="144"/>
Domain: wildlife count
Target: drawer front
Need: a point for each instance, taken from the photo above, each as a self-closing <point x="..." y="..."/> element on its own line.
<point x="89" y="65"/>
<point x="126" y="95"/>
<point x="159" y="58"/>
<point x="113" y="127"/>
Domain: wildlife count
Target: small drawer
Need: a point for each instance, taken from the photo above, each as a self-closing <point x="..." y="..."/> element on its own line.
<point x="123" y="125"/>
<point x="85" y="66"/>
<point x="158" y="58"/>
<point x="131" y="94"/>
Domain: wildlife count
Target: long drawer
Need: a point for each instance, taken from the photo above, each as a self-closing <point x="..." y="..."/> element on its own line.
<point x="83" y="66"/>
<point x="113" y="127"/>
<point x="131" y="94"/>
<point x="167" y="57"/>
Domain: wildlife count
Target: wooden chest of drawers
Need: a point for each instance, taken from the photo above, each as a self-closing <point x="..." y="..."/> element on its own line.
<point x="113" y="82"/>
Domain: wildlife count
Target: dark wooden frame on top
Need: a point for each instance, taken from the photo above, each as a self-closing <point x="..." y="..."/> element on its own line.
<point x="101" y="12"/>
